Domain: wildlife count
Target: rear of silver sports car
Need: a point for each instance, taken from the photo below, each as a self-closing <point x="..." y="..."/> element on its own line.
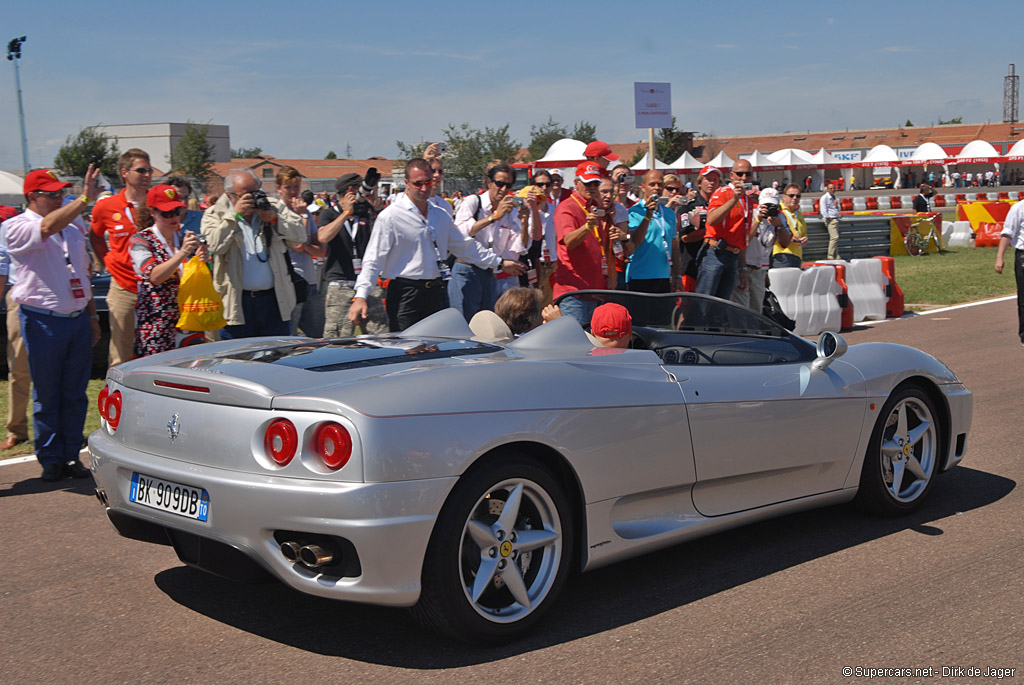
<point x="240" y="488"/>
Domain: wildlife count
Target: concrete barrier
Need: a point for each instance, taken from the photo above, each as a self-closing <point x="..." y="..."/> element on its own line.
<point x="960" y="235"/>
<point x="810" y="297"/>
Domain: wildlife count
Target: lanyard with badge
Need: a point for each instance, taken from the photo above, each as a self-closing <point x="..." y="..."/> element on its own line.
<point x="77" y="288"/>
<point x="353" y="229"/>
<point x="597" y="235"/>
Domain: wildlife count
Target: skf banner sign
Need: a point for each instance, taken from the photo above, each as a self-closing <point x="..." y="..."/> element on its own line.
<point x="653" y="104"/>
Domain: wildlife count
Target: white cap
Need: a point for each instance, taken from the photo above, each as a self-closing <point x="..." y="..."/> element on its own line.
<point x="768" y="196"/>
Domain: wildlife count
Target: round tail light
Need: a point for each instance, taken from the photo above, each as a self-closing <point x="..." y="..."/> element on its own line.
<point x="113" y="409"/>
<point x="333" y="445"/>
<point x="281" y="441"/>
<point x="101" y="402"/>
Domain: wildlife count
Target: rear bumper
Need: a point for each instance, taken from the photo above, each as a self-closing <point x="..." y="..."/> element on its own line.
<point x="388" y="524"/>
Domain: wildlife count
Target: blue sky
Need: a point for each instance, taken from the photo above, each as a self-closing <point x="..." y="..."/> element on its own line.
<point x="300" y="79"/>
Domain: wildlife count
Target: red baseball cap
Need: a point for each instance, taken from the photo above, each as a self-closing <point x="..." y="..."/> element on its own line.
<point x="710" y="170"/>
<point x="163" y="198"/>
<point x="611" y="321"/>
<point x="43" y="179"/>
<point x="600" y="149"/>
<point x="588" y="172"/>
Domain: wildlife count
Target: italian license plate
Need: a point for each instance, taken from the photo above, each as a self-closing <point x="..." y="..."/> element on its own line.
<point x="183" y="500"/>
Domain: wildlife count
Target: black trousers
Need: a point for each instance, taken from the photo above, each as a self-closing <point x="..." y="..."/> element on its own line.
<point x="409" y="301"/>
<point x="1018" y="272"/>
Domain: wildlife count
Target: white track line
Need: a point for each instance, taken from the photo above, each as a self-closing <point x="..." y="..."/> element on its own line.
<point x="31" y="457"/>
<point x="911" y="315"/>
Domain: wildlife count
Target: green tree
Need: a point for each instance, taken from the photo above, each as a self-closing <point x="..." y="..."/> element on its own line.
<point x="669" y="143"/>
<point x="470" y="149"/>
<point x="246" y="152"/>
<point x="909" y="123"/>
<point x="193" y="155"/>
<point x="90" y="146"/>
<point x="954" y="120"/>
<point x="544" y="136"/>
<point x="330" y="155"/>
<point x="584" y="131"/>
<point x="407" y="151"/>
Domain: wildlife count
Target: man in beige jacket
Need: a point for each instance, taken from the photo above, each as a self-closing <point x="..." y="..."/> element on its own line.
<point x="248" y="244"/>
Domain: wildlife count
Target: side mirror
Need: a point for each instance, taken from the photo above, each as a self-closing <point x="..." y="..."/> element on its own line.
<point x="831" y="346"/>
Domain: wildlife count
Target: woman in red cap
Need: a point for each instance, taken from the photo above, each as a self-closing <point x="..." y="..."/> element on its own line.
<point x="159" y="259"/>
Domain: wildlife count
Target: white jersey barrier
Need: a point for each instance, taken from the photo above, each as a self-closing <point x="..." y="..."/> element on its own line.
<point x="960" y="235"/>
<point x="809" y="297"/>
<point x="865" y="284"/>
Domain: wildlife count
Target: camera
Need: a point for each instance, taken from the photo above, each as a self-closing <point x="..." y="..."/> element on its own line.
<point x="598" y="212"/>
<point x="361" y="210"/>
<point x="747" y="187"/>
<point x="663" y="199"/>
<point x="773" y="210"/>
<point x="517" y="201"/>
<point x="442" y="148"/>
<point x="688" y="205"/>
<point x="201" y="238"/>
<point x="259" y="200"/>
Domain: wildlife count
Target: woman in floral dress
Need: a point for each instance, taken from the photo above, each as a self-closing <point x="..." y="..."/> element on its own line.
<point x="159" y="254"/>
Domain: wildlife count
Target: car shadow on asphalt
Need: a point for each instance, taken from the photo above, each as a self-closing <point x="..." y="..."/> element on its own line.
<point x="604" y="599"/>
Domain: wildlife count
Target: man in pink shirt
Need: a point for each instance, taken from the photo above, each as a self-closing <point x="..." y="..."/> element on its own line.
<point x="58" y="316"/>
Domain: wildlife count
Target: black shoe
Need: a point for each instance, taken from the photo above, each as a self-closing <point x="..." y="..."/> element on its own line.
<point x="76" y="469"/>
<point x="53" y="473"/>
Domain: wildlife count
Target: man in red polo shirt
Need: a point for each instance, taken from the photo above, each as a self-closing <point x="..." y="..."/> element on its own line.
<point x="113" y="223"/>
<point x="582" y="245"/>
<point x="729" y="222"/>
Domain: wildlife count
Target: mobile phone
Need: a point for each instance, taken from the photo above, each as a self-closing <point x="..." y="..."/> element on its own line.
<point x="598" y="211"/>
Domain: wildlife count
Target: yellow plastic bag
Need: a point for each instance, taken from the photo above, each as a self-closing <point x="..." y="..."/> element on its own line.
<point x="198" y="301"/>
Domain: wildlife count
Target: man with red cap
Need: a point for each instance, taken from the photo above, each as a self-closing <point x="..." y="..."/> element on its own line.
<point x="730" y="217"/>
<point x="57" y="314"/>
<point x="582" y="245"/>
<point x="600" y="153"/>
<point x="612" y="325"/>
<point x="691" y="236"/>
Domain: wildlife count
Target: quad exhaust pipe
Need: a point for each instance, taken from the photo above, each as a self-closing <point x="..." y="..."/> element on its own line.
<point x="311" y="556"/>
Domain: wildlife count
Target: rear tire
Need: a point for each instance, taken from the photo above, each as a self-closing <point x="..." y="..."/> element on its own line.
<point x="499" y="554"/>
<point x="902" y="460"/>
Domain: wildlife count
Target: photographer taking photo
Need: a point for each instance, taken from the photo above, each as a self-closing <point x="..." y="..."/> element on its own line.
<point x="248" y="238"/>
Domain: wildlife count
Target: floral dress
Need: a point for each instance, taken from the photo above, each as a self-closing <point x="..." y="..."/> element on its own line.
<point x="156" y="312"/>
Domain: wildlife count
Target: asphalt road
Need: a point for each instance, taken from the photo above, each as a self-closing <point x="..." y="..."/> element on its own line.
<point x="796" y="599"/>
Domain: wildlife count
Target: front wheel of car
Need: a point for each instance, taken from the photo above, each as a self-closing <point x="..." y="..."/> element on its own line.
<point x="903" y="456"/>
<point x="499" y="554"/>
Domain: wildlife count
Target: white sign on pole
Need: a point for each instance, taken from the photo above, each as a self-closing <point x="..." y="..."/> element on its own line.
<point x="653" y="102"/>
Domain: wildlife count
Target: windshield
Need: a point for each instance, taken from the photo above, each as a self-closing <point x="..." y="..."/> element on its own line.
<point x="683" y="312"/>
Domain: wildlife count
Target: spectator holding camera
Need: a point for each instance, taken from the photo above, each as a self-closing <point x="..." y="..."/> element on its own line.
<point x="652" y="226"/>
<point x="346" y="236"/>
<point x="491" y="220"/>
<point x="730" y="215"/>
<point x="768" y="230"/>
<point x="159" y="252"/>
<point x="248" y="237"/>
<point x="582" y="244"/>
<point x="791" y="255"/>
<point x="308" y="315"/>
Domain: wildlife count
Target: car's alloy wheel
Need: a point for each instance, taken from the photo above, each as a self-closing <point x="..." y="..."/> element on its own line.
<point x="499" y="554"/>
<point x="903" y="456"/>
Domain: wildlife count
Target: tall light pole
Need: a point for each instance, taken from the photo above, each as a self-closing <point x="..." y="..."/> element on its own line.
<point x="13" y="55"/>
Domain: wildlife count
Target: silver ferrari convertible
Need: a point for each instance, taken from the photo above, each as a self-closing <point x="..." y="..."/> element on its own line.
<point x="468" y="476"/>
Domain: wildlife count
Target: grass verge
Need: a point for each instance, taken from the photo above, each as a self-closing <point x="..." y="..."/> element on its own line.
<point x="953" y="276"/>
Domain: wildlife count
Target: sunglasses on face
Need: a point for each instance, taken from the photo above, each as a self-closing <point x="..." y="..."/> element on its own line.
<point x="503" y="184"/>
<point x="143" y="170"/>
<point x="744" y="173"/>
<point x="796" y="195"/>
<point x="52" y="194"/>
<point x="673" y="189"/>
<point x="543" y="185"/>
<point x="421" y="184"/>
<point x="172" y="213"/>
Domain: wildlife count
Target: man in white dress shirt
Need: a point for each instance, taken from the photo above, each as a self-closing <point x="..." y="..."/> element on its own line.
<point x="410" y="241"/>
<point x="1012" y="235"/>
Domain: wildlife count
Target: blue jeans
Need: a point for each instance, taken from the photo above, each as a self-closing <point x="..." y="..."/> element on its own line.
<point x="59" y="361"/>
<point x="262" y="317"/>
<point x="471" y="289"/>
<point x="581" y="310"/>
<point x="718" y="272"/>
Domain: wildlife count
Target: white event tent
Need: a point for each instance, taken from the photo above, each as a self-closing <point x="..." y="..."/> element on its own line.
<point x="11" y="189"/>
<point x="687" y="164"/>
<point x="644" y="165"/>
